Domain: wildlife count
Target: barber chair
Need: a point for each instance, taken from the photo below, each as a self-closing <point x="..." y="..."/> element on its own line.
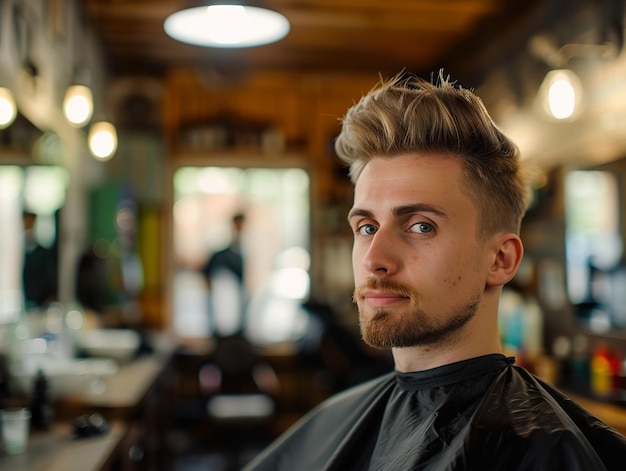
<point x="240" y="389"/>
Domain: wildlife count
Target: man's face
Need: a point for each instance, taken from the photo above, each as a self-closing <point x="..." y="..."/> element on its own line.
<point x="419" y="267"/>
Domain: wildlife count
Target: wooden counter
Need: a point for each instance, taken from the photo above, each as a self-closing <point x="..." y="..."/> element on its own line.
<point x="58" y="450"/>
<point x="122" y="392"/>
<point x="134" y="401"/>
<point x="612" y="415"/>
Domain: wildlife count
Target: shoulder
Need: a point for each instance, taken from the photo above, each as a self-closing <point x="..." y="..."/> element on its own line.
<point x="326" y="426"/>
<point x="354" y="396"/>
<point x="541" y="424"/>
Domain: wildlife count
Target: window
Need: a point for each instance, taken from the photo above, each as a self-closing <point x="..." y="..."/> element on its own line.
<point x="274" y="242"/>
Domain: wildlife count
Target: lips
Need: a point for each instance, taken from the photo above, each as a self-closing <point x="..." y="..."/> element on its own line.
<point x="378" y="292"/>
<point x="379" y="298"/>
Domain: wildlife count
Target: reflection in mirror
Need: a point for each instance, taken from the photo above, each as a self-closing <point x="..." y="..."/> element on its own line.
<point x="273" y="243"/>
<point x="33" y="187"/>
<point x="30" y="198"/>
<point x="595" y="276"/>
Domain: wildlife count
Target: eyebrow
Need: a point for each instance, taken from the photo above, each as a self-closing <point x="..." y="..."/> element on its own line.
<point x="401" y="210"/>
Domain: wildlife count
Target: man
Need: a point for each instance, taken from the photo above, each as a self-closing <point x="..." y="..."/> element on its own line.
<point x="224" y="274"/>
<point x="39" y="271"/>
<point x="438" y="203"/>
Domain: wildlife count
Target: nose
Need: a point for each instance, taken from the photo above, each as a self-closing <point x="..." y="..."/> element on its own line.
<point x="382" y="255"/>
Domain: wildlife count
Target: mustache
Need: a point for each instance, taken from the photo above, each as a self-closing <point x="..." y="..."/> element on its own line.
<point x="385" y="285"/>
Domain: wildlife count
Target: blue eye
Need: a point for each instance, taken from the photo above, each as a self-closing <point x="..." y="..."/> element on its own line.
<point x="366" y="229"/>
<point x="422" y="228"/>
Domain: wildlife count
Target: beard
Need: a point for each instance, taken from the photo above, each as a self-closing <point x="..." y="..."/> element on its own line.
<point x="411" y="327"/>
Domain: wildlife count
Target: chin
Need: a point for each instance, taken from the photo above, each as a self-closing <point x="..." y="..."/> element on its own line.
<point x="380" y="331"/>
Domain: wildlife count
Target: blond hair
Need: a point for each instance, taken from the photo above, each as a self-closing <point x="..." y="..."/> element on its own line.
<point x="409" y="115"/>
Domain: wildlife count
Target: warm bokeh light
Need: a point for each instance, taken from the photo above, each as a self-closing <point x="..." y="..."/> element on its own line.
<point x="561" y="93"/>
<point x="78" y="105"/>
<point x="102" y="140"/>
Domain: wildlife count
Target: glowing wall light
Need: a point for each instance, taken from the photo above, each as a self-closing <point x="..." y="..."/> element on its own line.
<point x="102" y="140"/>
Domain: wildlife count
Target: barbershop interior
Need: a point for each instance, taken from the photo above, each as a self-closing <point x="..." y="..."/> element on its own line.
<point x="133" y="150"/>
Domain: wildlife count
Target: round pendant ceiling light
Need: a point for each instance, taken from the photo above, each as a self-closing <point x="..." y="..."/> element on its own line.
<point x="78" y="105"/>
<point x="226" y="26"/>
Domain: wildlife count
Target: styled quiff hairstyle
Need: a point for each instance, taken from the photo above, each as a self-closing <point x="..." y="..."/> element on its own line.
<point x="408" y="115"/>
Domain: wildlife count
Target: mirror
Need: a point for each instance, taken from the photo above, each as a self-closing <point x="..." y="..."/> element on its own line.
<point x="31" y="195"/>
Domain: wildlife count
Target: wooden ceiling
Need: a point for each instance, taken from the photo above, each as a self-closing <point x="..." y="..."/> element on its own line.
<point x="326" y="36"/>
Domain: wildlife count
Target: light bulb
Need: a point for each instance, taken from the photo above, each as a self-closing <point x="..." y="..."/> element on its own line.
<point x="78" y="105"/>
<point x="102" y="140"/>
<point x="561" y="99"/>
<point x="561" y="94"/>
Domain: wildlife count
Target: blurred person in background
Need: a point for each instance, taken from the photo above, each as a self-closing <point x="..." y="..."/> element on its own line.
<point x="40" y="266"/>
<point x="224" y="275"/>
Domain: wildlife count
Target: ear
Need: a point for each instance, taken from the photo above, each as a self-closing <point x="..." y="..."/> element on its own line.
<point x="508" y="251"/>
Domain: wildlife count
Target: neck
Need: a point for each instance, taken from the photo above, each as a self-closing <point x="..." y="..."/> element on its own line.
<point x="431" y="356"/>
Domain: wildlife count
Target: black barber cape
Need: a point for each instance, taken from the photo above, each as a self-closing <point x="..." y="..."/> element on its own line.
<point x="478" y="414"/>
